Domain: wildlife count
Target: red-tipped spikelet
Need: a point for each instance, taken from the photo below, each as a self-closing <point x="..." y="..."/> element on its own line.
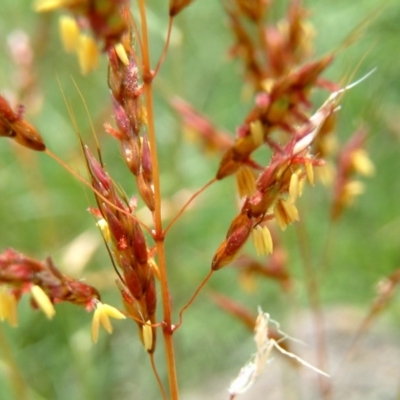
<point x="12" y="125"/>
<point x="128" y="248"/>
<point x="46" y="284"/>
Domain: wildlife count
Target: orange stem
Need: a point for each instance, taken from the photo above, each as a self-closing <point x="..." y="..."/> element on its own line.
<point x="158" y="234"/>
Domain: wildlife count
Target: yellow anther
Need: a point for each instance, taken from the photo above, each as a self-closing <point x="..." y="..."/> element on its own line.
<point x="147" y="335"/>
<point x="103" y="225"/>
<point x="88" y="54"/>
<point x="257" y="132"/>
<point x="69" y="32"/>
<point x="101" y="316"/>
<point x="120" y="50"/>
<point x="361" y="162"/>
<point x="43" y="301"/>
<point x="262" y="240"/>
<point x="8" y="306"/>
<point x="246" y="181"/>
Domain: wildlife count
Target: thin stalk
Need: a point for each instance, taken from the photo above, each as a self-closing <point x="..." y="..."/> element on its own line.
<point x="165" y="50"/>
<point x="158" y="234"/>
<point x="153" y="366"/>
<point x="193" y="298"/>
<point x="187" y="204"/>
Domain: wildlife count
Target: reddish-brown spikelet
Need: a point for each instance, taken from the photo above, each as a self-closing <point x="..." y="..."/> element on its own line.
<point x="128" y="249"/>
<point x="237" y="235"/>
<point x="130" y="150"/>
<point x="147" y="165"/>
<point x="139" y="243"/>
<point x="122" y="120"/>
<point x="6" y="113"/>
<point x="101" y="180"/>
<point x="176" y="6"/>
<point x="132" y="280"/>
<point x="117" y="229"/>
<point x="13" y="126"/>
<point x="22" y="272"/>
<point x="146" y="191"/>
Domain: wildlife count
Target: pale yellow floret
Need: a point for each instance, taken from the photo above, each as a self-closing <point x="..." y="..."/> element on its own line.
<point x="69" y="32"/>
<point x="88" y="54"/>
<point x="262" y="240"/>
<point x="246" y="181"/>
<point x="8" y="307"/>
<point x="285" y="213"/>
<point x="291" y="211"/>
<point x="113" y="312"/>
<point x="301" y="185"/>
<point x="361" y="162"/>
<point x="147" y="335"/>
<point x="95" y="326"/>
<point x="103" y="225"/>
<point x="43" y="301"/>
<point x="101" y="316"/>
<point x="50" y="5"/>
<point x="294" y="188"/>
<point x="267" y="84"/>
<point x="279" y="216"/>
<point x="120" y="50"/>
<point x="257" y="132"/>
<point x="351" y="190"/>
<point x="309" y="172"/>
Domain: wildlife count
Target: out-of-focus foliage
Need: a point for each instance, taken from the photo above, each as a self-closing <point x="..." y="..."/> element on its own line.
<point x="42" y="207"/>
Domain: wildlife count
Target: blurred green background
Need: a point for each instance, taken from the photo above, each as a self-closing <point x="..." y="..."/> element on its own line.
<point x="42" y="207"/>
